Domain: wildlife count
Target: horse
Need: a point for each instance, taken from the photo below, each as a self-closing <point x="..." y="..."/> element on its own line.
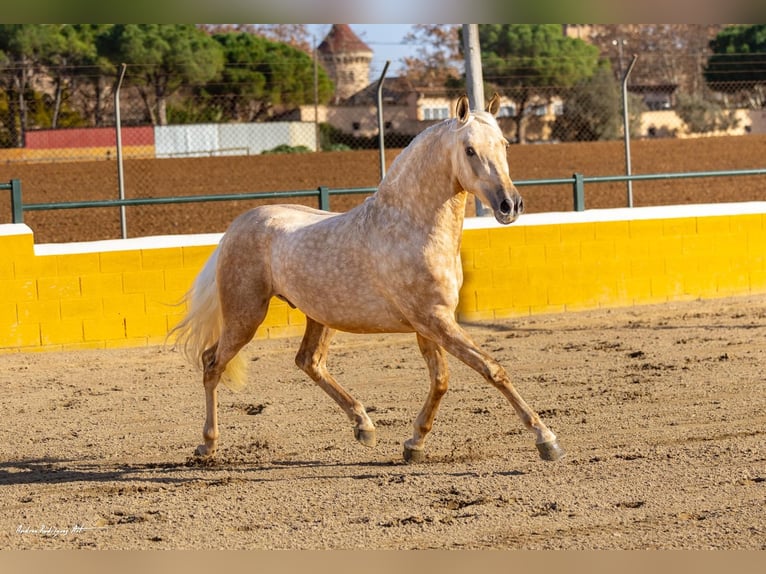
<point x="389" y="265"/>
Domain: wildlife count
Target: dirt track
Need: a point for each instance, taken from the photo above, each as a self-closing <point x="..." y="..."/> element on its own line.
<point x="55" y="182"/>
<point x="661" y="409"/>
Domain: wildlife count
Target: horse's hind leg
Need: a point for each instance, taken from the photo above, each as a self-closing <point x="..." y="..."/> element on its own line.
<point x="210" y="379"/>
<point x="238" y="330"/>
<point x="439" y="374"/>
<point x="311" y="358"/>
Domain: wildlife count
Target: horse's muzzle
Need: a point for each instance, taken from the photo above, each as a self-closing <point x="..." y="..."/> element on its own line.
<point x="509" y="209"/>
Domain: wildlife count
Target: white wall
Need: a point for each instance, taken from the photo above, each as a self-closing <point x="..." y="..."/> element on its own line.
<point x="230" y="139"/>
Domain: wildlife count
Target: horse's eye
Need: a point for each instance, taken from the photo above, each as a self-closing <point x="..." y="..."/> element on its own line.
<point x="470" y="152"/>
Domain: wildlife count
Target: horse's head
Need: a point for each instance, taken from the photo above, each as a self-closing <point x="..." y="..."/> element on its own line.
<point x="481" y="163"/>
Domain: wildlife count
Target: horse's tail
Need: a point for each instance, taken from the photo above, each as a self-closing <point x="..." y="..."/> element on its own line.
<point x="201" y="328"/>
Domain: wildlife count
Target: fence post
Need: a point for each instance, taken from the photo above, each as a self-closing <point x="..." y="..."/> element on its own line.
<point x="579" y="192"/>
<point x="118" y="135"/>
<point x="17" y="210"/>
<point x="626" y="127"/>
<point x="324" y="198"/>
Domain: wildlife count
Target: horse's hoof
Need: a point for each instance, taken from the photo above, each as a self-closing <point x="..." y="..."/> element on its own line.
<point x="366" y="437"/>
<point x="203" y="451"/>
<point x="414" y="455"/>
<point x="550" y="450"/>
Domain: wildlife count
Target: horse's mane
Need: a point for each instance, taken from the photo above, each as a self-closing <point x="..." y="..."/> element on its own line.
<point x="423" y="140"/>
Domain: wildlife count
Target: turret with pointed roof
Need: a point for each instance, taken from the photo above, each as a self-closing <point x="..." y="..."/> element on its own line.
<point x="347" y="60"/>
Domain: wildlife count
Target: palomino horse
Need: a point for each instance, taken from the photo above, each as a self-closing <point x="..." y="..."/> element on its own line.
<point x="392" y="264"/>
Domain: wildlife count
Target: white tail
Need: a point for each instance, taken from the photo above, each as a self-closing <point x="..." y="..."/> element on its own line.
<point x="201" y="328"/>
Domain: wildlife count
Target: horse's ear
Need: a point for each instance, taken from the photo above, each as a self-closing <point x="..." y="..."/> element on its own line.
<point x="462" y="108"/>
<point x="494" y="105"/>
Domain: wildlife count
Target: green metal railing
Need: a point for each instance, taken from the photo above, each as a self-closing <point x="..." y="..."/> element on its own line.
<point x="321" y="193"/>
<point x="577" y="182"/>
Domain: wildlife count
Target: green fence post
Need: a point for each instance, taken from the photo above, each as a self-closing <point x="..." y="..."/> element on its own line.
<point x="17" y="211"/>
<point x="579" y="192"/>
<point x="324" y="198"/>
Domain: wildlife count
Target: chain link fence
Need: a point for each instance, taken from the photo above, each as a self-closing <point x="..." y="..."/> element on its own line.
<point x="585" y="111"/>
<point x="61" y="121"/>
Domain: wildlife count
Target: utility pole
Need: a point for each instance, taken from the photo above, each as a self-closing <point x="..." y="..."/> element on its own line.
<point x="317" y="140"/>
<point x="474" y="80"/>
<point x="473" y="74"/>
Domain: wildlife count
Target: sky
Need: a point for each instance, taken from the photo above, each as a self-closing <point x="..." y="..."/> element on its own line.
<point x="385" y="40"/>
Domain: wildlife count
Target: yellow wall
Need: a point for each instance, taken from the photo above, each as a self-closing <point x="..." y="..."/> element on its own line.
<point x="95" y="299"/>
<point x="589" y="264"/>
<point x="122" y="293"/>
<point x="75" y="154"/>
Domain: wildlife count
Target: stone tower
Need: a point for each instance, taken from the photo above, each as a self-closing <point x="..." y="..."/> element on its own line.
<point x="347" y="60"/>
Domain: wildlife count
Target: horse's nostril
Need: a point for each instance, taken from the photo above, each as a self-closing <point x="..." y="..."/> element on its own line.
<point x="505" y="207"/>
<point x="520" y="205"/>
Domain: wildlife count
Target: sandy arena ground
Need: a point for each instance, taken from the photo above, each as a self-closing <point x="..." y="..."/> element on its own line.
<point x="662" y="411"/>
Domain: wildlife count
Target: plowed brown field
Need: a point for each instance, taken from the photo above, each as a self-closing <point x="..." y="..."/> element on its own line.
<point x="61" y="181"/>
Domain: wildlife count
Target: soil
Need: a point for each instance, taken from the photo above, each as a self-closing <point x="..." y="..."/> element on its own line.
<point x="662" y="411"/>
<point x="74" y="181"/>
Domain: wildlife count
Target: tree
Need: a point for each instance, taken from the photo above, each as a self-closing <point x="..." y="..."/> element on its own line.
<point x="295" y="35"/>
<point x="74" y="54"/>
<point x="591" y="110"/>
<point x="530" y="63"/>
<point x="25" y="49"/>
<point x="668" y="53"/>
<point x="161" y="59"/>
<point x="261" y="75"/>
<point x="703" y="116"/>
<point x="86" y="73"/>
<point x="438" y="54"/>
<point x="738" y="63"/>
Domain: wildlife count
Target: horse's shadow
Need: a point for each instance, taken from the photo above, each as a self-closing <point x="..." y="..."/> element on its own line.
<point x="57" y="471"/>
<point x="54" y="471"/>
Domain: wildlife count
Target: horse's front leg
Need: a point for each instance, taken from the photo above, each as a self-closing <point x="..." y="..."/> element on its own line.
<point x="438" y="371"/>
<point x="311" y="359"/>
<point x="441" y="328"/>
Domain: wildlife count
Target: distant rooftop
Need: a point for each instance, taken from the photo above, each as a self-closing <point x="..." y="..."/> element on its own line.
<point x="341" y="38"/>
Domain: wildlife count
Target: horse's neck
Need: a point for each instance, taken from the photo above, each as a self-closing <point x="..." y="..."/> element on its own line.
<point x="421" y="188"/>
